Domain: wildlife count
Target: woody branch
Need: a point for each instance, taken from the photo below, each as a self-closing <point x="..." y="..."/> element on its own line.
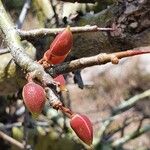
<point x="21" y="58"/>
<point x="25" y="62"/>
<point x="99" y="59"/>
<point x="54" y="31"/>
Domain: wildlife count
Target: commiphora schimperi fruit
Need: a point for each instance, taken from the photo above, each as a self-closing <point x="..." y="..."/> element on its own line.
<point x="34" y="98"/>
<point x="82" y="126"/>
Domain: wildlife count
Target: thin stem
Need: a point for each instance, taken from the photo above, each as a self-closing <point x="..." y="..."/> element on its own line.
<point x="118" y="143"/>
<point x="23" y="14"/>
<point x="26" y="121"/>
<point x="121" y="108"/>
<point x="56" y="103"/>
<point x="55" y="14"/>
<point x="54" y="31"/>
<point x="130" y="102"/>
<point x="11" y="140"/>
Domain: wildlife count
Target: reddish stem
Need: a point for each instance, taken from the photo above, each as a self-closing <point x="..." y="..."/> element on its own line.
<point x="29" y="77"/>
<point x="129" y="53"/>
<point x="59" y="106"/>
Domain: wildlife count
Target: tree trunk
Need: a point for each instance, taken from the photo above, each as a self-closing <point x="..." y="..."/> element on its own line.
<point x="132" y="20"/>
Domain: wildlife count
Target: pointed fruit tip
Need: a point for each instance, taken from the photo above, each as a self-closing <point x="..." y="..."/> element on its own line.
<point x="68" y="28"/>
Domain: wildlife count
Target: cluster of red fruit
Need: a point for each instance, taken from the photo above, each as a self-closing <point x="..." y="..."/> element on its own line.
<point x="34" y="95"/>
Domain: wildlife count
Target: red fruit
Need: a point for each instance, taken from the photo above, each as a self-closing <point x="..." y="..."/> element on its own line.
<point x="60" y="47"/>
<point x="62" y="43"/>
<point x="62" y="82"/>
<point x="82" y="126"/>
<point x="34" y="97"/>
<point x="52" y="59"/>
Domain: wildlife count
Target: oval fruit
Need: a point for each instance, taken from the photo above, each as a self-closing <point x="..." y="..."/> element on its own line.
<point x="82" y="126"/>
<point x="34" y="97"/>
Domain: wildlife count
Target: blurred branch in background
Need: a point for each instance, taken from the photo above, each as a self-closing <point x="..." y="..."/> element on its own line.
<point x="55" y="14"/>
<point x="19" y="25"/>
<point x="26" y="132"/>
<point x="127" y="121"/>
<point x="126" y="138"/>
<point x="11" y="140"/>
<point x="23" y="14"/>
<point x="44" y="12"/>
<point x="126" y="105"/>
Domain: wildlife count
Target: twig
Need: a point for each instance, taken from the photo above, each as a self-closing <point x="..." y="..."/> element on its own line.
<point x="131" y="102"/>
<point x="110" y="133"/>
<point x="54" y="31"/>
<point x="55" y="14"/>
<point x="140" y="124"/>
<point x="56" y="104"/>
<point x="121" y="107"/>
<point x="25" y="132"/>
<point x="11" y="140"/>
<point x="9" y="126"/>
<point x="104" y="126"/>
<point x="94" y="60"/>
<point x="91" y="61"/>
<point x="23" y="14"/>
<point x="122" y="130"/>
<point x="118" y="143"/>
